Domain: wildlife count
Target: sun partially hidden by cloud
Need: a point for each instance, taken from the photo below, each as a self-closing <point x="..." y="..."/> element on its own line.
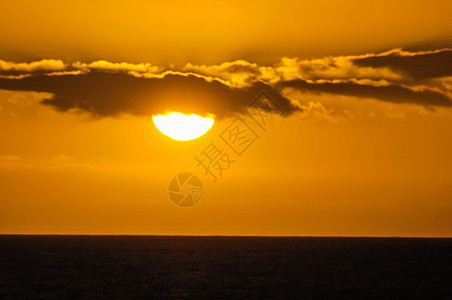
<point x="183" y="127"/>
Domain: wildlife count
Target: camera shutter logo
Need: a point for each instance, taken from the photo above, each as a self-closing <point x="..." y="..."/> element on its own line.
<point x="185" y="189"/>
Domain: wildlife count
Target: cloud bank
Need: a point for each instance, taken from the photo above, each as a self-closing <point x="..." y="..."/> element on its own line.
<point x="114" y="94"/>
<point x="110" y="89"/>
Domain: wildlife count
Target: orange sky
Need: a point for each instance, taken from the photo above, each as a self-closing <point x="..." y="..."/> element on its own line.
<point x="363" y="150"/>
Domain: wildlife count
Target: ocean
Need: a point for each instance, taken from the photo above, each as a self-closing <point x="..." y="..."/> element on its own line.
<point x="175" y="267"/>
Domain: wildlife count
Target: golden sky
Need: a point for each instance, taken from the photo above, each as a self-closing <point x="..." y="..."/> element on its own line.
<point x="361" y="147"/>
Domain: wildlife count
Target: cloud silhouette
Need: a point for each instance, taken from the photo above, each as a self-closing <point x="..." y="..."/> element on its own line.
<point x="108" y="89"/>
<point x="388" y="93"/>
<point x="421" y="65"/>
<point x="112" y="94"/>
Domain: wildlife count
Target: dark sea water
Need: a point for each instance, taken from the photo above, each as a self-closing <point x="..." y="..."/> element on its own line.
<point x="121" y="267"/>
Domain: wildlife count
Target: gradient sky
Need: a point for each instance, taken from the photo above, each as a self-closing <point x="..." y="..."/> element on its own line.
<point x="362" y="147"/>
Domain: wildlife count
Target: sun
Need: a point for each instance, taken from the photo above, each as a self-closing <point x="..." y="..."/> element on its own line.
<point x="183" y="127"/>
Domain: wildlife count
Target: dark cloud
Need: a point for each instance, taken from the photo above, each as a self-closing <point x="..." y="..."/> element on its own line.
<point x="111" y="94"/>
<point x="108" y="89"/>
<point x="419" y="66"/>
<point x="390" y="93"/>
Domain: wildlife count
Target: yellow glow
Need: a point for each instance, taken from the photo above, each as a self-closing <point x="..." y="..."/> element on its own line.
<point x="182" y="127"/>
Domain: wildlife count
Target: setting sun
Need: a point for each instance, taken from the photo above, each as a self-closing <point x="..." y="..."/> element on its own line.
<point x="225" y="149"/>
<point x="183" y="127"/>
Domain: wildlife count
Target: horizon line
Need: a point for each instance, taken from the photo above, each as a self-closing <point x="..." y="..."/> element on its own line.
<point x="223" y="235"/>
